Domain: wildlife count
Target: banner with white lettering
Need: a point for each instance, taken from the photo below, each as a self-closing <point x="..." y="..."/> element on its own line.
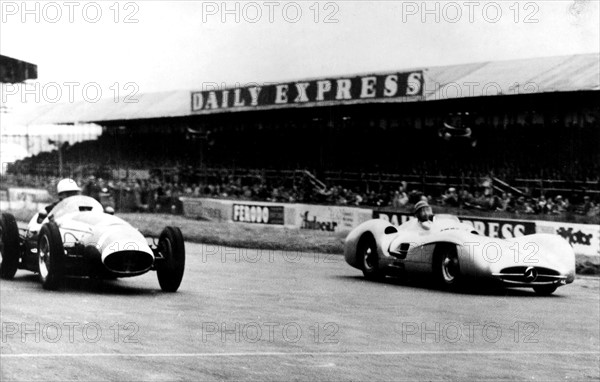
<point x="258" y="214"/>
<point x="330" y="218"/>
<point x="206" y="209"/>
<point x="500" y="228"/>
<point x="585" y="238"/>
<point x="392" y="87"/>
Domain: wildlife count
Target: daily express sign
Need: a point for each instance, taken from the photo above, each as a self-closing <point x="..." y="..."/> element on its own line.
<point x="361" y="89"/>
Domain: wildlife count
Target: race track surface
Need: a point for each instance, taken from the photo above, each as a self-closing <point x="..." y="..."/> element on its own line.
<point x="269" y="315"/>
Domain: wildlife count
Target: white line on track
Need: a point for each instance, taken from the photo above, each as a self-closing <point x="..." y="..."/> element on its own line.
<point x="288" y="354"/>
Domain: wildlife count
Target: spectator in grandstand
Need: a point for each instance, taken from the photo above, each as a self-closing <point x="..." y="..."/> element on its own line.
<point x="478" y="201"/>
<point x="145" y="194"/>
<point x="400" y="198"/>
<point x="541" y="205"/>
<point x="137" y="195"/>
<point x="195" y="190"/>
<point x="91" y="188"/>
<point x="559" y="205"/>
<point x="506" y="202"/>
<point x="414" y="196"/>
<point x="396" y="200"/>
<point x="450" y="198"/>
<point x="528" y="207"/>
<point x="594" y="211"/>
<point x="495" y="203"/>
<point x="358" y="199"/>
<point x="465" y="198"/>
<point x="588" y="205"/>
<point x="550" y="207"/>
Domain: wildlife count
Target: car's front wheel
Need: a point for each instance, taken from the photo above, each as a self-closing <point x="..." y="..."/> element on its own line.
<point x="171" y="267"/>
<point x="446" y="266"/>
<point x="9" y="246"/>
<point x="367" y="252"/>
<point x="51" y="254"/>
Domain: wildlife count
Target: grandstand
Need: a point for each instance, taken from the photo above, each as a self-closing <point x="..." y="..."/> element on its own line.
<point x="524" y="128"/>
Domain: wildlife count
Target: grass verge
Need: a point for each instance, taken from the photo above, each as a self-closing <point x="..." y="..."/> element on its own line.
<point x="241" y="235"/>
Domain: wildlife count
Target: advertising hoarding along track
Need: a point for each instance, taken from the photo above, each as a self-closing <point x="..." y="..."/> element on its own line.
<point x="258" y="214"/>
<point x="491" y="227"/>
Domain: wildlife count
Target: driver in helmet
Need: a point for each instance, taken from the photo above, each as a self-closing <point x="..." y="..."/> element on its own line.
<point x="424" y="214"/>
<point x="64" y="189"/>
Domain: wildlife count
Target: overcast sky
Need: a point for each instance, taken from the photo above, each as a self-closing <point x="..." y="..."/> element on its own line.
<point x="184" y="45"/>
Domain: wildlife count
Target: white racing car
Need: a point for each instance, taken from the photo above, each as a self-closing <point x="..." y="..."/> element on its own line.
<point x="453" y="252"/>
<point x="77" y="238"/>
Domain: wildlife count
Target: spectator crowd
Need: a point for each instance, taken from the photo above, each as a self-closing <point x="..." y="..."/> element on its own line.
<point x="160" y="193"/>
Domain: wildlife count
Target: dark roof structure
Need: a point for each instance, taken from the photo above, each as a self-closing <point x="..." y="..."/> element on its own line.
<point x="500" y="78"/>
<point x="15" y="71"/>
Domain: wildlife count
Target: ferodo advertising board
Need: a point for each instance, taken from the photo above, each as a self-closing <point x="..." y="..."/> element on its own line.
<point x="258" y="214"/>
<point x="585" y="238"/>
<point x="500" y="228"/>
<point x="330" y="218"/>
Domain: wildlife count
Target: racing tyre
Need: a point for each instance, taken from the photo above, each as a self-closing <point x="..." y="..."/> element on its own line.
<point x="367" y="252"/>
<point x="51" y="256"/>
<point x="446" y="268"/>
<point x="545" y="290"/>
<point x="172" y="248"/>
<point x="9" y="246"/>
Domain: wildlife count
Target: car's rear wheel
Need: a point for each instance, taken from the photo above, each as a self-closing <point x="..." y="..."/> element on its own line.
<point x="9" y="246"/>
<point x="51" y="255"/>
<point x="545" y="290"/>
<point x="367" y="252"/>
<point x="172" y="248"/>
<point x="446" y="266"/>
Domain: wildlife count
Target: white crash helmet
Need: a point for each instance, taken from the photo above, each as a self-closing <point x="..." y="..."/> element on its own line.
<point x="67" y="185"/>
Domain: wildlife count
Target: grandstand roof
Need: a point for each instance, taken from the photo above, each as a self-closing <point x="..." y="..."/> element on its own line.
<point x="539" y="75"/>
<point x="13" y="70"/>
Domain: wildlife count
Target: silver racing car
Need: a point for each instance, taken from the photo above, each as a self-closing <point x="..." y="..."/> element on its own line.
<point x="78" y="238"/>
<point x="453" y="252"/>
